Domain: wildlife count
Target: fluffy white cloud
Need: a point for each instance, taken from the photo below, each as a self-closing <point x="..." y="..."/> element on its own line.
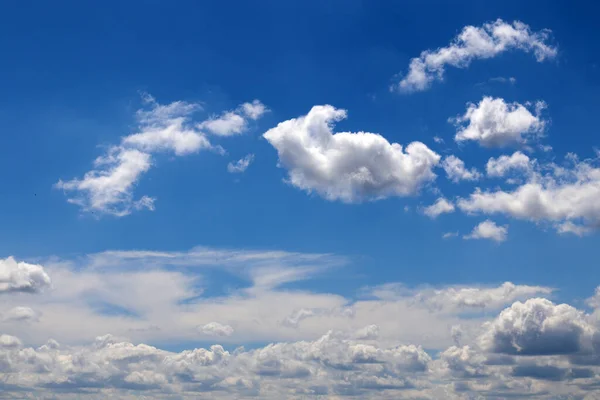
<point x="348" y="166"/>
<point x="499" y="167"/>
<point x="538" y="327"/>
<point x="240" y="165"/>
<point x="216" y="329"/>
<point x="108" y="188"/>
<point x="234" y="122"/>
<point x="473" y="43"/>
<point x="566" y="197"/>
<point x="456" y="171"/>
<point x="495" y="123"/>
<point x="441" y="206"/>
<point x="488" y="230"/>
<point x="22" y="277"/>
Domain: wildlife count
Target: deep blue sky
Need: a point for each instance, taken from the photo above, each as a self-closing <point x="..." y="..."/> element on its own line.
<point x="71" y="76"/>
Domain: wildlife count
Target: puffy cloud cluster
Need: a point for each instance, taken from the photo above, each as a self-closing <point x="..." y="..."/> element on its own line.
<point x="109" y="187"/>
<point x="330" y="365"/>
<point x="18" y="276"/>
<point x="487" y="41"/>
<point x="495" y="123"/>
<point x="564" y="196"/>
<point x="348" y="166"/>
<point x="538" y="327"/>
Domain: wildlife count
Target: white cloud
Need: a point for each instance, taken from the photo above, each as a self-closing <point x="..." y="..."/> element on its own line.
<point x="254" y="110"/>
<point x="19" y="314"/>
<point x="109" y="187"/>
<point x="22" y="277"/>
<point x="441" y="206"/>
<point x="488" y="230"/>
<point x="487" y="41"/>
<point x="348" y="166"/>
<point x="499" y="167"/>
<point x="537" y="327"/>
<point x="495" y="123"/>
<point x="369" y="332"/>
<point x="438" y="140"/>
<point x="167" y="128"/>
<point x="563" y="194"/>
<point x="216" y="329"/>
<point x="456" y="171"/>
<point x="454" y="298"/>
<point x="449" y="235"/>
<point x="234" y="122"/>
<point x="240" y="165"/>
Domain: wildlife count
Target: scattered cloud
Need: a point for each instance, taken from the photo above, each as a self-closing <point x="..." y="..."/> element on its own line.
<point x="487" y="41"/>
<point x="240" y="165"/>
<point x="438" y="140"/>
<point x="553" y="193"/>
<point x="488" y="230"/>
<point x="494" y="123"/>
<point x="456" y="171"/>
<point x="234" y="122"/>
<point x="441" y="206"/>
<point x="348" y="166"/>
<point x="109" y="187"/>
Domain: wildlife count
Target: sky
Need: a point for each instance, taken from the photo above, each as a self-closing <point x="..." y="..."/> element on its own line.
<point x="316" y="199"/>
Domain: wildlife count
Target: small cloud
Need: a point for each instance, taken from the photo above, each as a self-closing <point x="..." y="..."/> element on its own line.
<point x="441" y="206"/>
<point x="240" y="165"/>
<point x="488" y="230"/>
<point x="438" y="140"/>
<point x="449" y="235"/>
<point x="216" y="329"/>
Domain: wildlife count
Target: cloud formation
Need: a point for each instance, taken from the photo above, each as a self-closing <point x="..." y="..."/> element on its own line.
<point x="488" y="230"/>
<point x="347" y="166"/>
<point x="501" y="166"/>
<point x="487" y="41"/>
<point x="563" y="195"/>
<point x="441" y="206"/>
<point x="240" y="165"/>
<point x="109" y="187"/>
<point x="216" y="329"/>
<point x="22" y="277"/>
<point x="456" y="171"/>
<point x="495" y="123"/>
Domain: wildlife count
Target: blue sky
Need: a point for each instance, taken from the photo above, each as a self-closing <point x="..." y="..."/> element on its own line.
<point x="76" y="75"/>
